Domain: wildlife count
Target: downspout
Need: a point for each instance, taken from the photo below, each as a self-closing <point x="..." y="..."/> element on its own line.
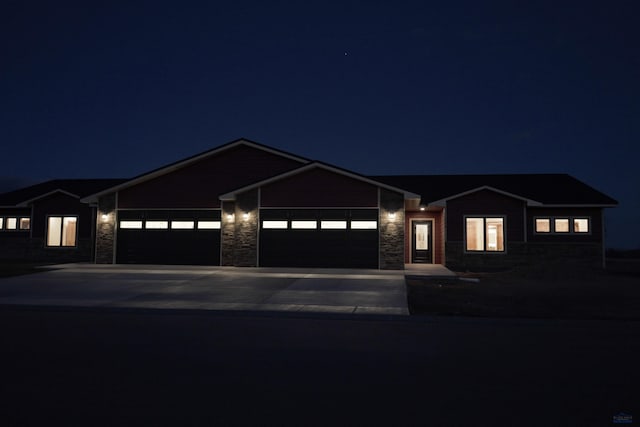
<point x="94" y="214"/>
<point x="115" y="227"/>
<point x="604" y="256"/>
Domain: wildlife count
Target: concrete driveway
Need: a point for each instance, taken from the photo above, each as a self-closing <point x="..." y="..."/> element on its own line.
<point x="211" y="288"/>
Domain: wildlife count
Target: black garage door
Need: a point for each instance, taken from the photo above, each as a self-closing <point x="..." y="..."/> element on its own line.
<point x="335" y="238"/>
<point x="168" y="237"/>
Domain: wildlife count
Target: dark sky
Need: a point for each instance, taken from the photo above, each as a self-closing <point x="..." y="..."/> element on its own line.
<point x="116" y="88"/>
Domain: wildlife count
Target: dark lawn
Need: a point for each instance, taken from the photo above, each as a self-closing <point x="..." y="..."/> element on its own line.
<point x="18" y="268"/>
<point x="614" y="294"/>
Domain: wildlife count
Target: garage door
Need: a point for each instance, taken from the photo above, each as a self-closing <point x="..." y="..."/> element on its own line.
<point x="168" y="237"/>
<point x="335" y="238"/>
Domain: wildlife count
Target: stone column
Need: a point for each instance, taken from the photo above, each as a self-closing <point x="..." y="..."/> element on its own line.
<point x="106" y="229"/>
<point x="227" y="235"/>
<point x="246" y="229"/>
<point x="391" y="223"/>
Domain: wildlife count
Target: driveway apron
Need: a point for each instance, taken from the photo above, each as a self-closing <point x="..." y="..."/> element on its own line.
<point x="342" y="291"/>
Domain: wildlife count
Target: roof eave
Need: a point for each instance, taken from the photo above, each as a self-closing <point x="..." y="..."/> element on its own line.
<point x="443" y="202"/>
<point x="25" y="204"/>
<point x="580" y="205"/>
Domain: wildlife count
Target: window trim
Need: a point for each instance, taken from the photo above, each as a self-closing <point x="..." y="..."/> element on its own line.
<point x="333" y="224"/>
<point x="535" y="225"/>
<point x="156" y="224"/>
<point x="363" y="224"/>
<point x="552" y="224"/>
<point x="6" y="223"/>
<point x="304" y="224"/>
<point x="20" y="219"/>
<point x="131" y="224"/>
<point x="484" y="231"/>
<point x="182" y="224"/>
<point x="275" y="224"/>
<point x="208" y="224"/>
<point x="61" y="246"/>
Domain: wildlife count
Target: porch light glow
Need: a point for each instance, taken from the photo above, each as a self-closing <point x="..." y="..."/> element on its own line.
<point x="392" y="216"/>
<point x="421" y="208"/>
<point x="245" y="216"/>
<point x="105" y="217"/>
<point x="230" y="217"/>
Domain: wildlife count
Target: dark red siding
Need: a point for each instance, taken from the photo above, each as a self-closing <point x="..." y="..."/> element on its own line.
<point x="60" y="204"/>
<point x="485" y="203"/>
<point x="200" y="184"/>
<point x="319" y="188"/>
<point x="594" y="235"/>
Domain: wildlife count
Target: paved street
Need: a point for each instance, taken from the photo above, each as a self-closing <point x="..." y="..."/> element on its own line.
<point x="100" y="366"/>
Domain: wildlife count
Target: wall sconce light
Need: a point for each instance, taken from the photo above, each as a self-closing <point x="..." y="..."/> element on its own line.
<point x="245" y="216"/>
<point x="230" y="217"/>
<point x="421" y="208"/>
<point x="392" y="216"/>
<point x="105" y="217"/>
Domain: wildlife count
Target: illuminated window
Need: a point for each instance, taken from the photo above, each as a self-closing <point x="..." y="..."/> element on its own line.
<point x="25" y="223"/>
<point x="182" y="225"/>
<point x="333" y="225"/>
<point x="62" y="231"/>
<point x="364" y="225"/>
<point x="543" y="225"/>
<point x="156" y="225"/>
<point x="208" y="225"/>
<point x="485" y="234"/>
<point x="1" y="223"/>
<point x="581" y="225"/>
<point x="131" y="224"/>
<point x="561" y="225"/>
<point x="274" y="224"/>
<point x="12" y="223"/>
<point x="304" y="225"/>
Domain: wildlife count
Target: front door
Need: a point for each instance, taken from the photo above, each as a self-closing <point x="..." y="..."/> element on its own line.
<point x="422" y="243"/>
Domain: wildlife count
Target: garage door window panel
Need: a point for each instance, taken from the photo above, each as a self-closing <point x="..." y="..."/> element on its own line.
<point x="364" y="225"/>
<point x="157" y="225"/>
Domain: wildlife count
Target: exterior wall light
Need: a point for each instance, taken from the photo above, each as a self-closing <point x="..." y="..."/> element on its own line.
<point x="245" y="216"/>
<point x="105" y="217"/>
<point x="230" y="217"/>
<point x="421" y="208"/>
<point x="392" y="216"/>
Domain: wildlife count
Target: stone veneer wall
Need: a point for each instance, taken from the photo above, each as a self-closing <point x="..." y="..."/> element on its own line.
<point x="391" y="241"/>
<point x="106" y="230"/>
<point x="227" y="233"/>
<point x="246" y="230"/>
<point x="556" y="256"/>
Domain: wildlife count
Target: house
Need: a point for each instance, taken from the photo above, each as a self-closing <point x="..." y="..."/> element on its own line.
<point x="247" y="204"/>
<point x="48" y="222"/>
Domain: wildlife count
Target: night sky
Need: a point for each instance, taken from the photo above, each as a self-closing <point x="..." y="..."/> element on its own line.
<point x="114" y="89"/>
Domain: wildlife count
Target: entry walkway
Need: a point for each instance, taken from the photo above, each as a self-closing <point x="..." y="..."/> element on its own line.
<point x="427" y="271"/>
<point x="342" y="291"/>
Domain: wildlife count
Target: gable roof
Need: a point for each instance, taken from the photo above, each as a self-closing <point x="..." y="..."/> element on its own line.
<point x="442" y="202"/>
<point x="190" y="160"/>
<point x="313" y="165"/>
<point x="73" y="187"/>
<point x="547" y="189"/>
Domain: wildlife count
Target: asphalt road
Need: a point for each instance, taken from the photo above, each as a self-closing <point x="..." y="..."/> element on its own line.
<point x="131" y="367"/>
